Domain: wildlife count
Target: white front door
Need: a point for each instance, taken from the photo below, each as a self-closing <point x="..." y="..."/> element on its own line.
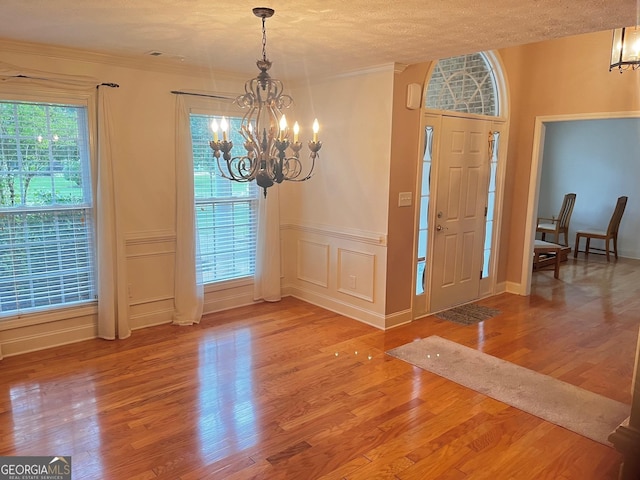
<point x="460" y="203"/>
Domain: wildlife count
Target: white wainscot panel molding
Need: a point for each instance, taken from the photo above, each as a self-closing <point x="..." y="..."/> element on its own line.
<point x="150" y="277"/>
<point x="356" y="273"/>
<point x="313" y="262"/>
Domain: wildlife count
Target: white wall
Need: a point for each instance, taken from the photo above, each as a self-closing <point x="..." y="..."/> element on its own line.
<point x="335" y="224"/>
<point x="351" y="186"/>
<point x="598" y="160"/>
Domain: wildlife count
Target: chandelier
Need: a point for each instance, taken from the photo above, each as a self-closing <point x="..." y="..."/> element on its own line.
<point x="625" y="52"/>
<point x="272" y="156"/>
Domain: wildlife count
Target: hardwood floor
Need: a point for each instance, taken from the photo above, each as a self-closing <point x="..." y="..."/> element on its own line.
<point x="292" y="391"/>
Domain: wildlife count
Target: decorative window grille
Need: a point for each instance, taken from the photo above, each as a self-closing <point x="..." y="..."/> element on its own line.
<point x="463" y="84"/>
<point x="226" y="211"/>
<point x="46" y="208"/>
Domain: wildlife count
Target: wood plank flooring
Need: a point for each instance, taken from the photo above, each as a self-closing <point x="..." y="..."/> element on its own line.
<point x="292" y="391"/>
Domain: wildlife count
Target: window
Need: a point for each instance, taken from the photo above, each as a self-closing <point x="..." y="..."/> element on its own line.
<point x="226" y="211"/>
<point x="423" y="226"/>
<point x="463" y="84"/>
<point x="46" y="213"/>
<point x="494" y="140"/>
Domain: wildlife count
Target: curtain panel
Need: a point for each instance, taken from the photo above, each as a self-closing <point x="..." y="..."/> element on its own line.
<point x="189" y="291"/>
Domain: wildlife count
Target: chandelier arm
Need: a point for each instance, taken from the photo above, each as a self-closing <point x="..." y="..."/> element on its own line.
<point x="294" y="177"/>
<point x="238" y="169"/>
<point x="222" y="172"/>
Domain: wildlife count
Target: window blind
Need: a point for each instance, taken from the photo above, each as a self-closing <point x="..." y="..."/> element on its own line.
<point x="46" y="215"/>
<point x="226" y="211"/>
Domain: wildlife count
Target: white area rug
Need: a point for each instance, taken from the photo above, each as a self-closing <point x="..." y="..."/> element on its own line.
<point x="555" y="401"/>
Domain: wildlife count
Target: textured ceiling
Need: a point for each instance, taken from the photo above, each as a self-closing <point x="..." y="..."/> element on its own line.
<point x="305" y="37"/>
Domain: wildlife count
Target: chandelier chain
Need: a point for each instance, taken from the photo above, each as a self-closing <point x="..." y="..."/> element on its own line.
<point x="264" y="40"/>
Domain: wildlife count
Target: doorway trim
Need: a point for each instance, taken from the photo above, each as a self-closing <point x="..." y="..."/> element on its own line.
<point x="534" y="181"/>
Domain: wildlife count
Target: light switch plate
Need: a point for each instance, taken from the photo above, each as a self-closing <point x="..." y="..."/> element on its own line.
<point x="404" y="199"/>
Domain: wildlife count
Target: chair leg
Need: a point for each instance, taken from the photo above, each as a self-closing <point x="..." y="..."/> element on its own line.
<point x="543" y="236"/>
<point x="606" y="246"/>
<point x="615" y="246"/>
<point x="587" y="246"/>
<point x="575" y="250"/>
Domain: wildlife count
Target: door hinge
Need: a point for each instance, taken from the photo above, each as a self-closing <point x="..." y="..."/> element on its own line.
<point x="486" y="210"/>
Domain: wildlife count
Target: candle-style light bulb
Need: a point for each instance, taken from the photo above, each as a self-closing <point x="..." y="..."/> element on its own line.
<point x="283" y="127"/>
<point x="296" y="131"/>
<point x="224" y="126"/>
<point x="214" y="129"/>
<point x="316" y="129"/>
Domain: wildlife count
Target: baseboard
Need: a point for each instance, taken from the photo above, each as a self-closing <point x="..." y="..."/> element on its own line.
<point x="516" y="288"/>
<point x="374" y="319"/>
<point x="398" y="318"/>
<point x="150" y="319"/>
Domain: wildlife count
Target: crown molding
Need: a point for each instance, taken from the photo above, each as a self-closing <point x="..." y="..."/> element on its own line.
<point x="138" y="62"/>
<point x="399" y="67"/>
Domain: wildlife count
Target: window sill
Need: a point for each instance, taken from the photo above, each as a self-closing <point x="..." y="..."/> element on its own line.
<point x="228" y="285"/>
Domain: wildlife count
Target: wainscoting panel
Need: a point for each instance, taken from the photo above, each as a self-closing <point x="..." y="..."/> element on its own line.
<point x="341" y="271"/>
<point x="150" y="277"/>
<point x="356" y="273"/>
<point x="313" y="262"/>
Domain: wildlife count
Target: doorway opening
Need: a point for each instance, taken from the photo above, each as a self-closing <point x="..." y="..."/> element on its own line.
<point x="583" y="196"/>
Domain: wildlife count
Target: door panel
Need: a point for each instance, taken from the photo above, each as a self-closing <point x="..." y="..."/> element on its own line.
<point x="463" y="168"/>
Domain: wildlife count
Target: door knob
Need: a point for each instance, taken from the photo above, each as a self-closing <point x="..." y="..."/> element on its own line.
<point x="439" y="228"/>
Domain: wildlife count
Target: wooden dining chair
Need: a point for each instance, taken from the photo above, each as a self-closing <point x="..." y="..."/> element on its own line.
<point x="560" y="224"/>
<point x="610" y="234"/>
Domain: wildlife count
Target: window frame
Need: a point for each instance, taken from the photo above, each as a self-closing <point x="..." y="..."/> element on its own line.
<point x="217" y="108"/>
<point x="36" y="92"/>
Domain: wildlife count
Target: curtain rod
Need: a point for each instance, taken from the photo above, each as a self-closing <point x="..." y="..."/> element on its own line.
<point x="110" y="84"/>
<point x="221" y="97"/>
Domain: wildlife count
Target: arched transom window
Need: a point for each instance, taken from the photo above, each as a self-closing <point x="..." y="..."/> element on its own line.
<point x="463" y="84"/>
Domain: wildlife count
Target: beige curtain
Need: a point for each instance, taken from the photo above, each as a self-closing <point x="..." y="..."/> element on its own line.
<point x="266" y="282"/>
<point x="189" y="292"/>
<point x="112" y="299"/>
<point x="113" y="321"/>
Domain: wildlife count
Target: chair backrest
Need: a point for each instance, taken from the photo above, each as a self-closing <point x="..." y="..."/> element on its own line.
<point x="566" y="210"/>
<point x="614" y="223"/>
